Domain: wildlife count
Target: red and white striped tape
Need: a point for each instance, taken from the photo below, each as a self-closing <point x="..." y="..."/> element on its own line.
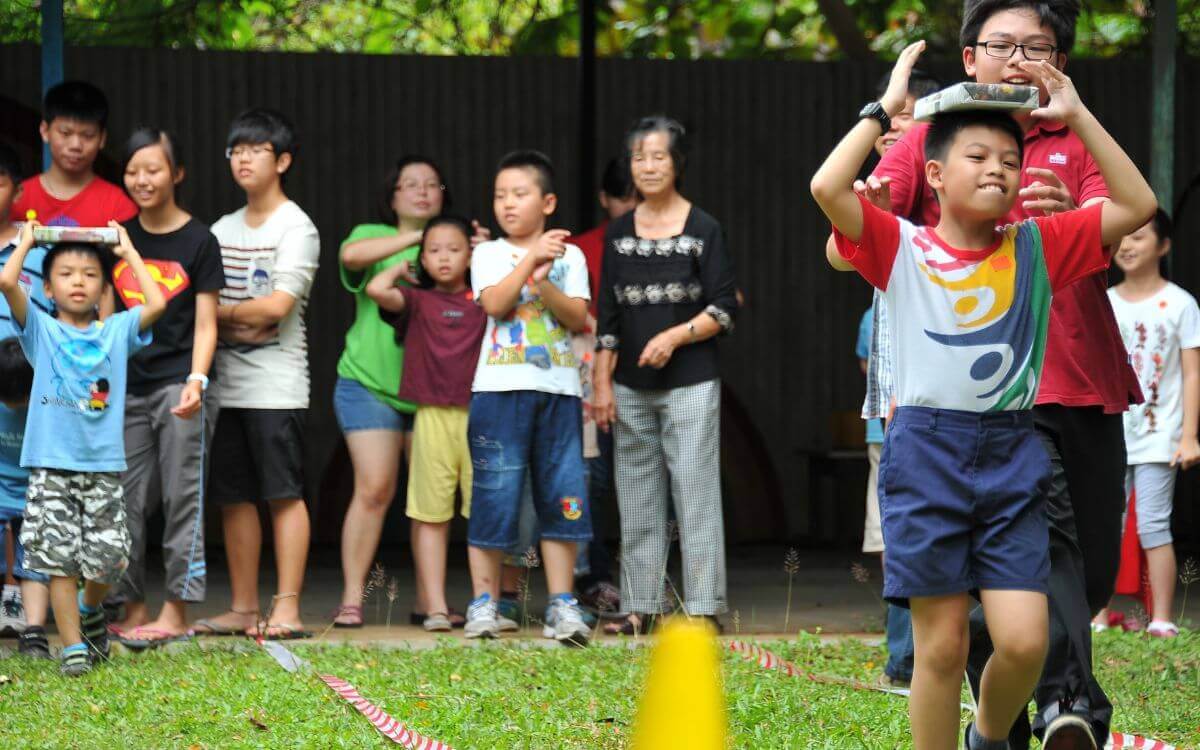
<point x="768" y="660"/>
<point x="1118" y="740"/>
<point x="387" y="726"/>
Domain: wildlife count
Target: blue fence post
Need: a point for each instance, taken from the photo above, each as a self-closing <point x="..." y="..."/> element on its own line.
<point x="52" y="54"/>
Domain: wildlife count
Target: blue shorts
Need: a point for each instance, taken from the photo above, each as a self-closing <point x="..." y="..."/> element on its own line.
<point x="356" y="408"/>
<point x="11" y="518"/>
<point x="962" y="499"/>
<point x="515" y="431"/>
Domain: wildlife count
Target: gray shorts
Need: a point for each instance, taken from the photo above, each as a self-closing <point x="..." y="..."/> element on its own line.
<point x="75" y="525"/>
<point x="1155" y="488"/>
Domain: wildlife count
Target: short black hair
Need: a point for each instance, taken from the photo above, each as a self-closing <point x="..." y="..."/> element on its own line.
<point x="946" y="126"/>
<point x="443" y="220"/>
<point x="677" y="141"/>
<point x="144" y="136"/>
<point x="530" y="159"/>
<point x="76" y="100"/>
<point x="16" y="376"/>
<point x="920" y="84"/>
<point x="100" y="252"/>
<point x="388" y="187"/>
<point x="1059" y="15"/>
<point x="1161" y="223"/>
<point x="262" y="125"/>
<point x="617" y="181"/>
<point x="10" y="164"/>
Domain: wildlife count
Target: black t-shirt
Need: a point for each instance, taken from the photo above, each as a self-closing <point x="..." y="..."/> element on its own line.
<point x="183" y="263"/>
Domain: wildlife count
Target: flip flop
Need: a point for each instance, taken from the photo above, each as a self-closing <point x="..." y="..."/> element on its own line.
<point x="212" y="628"/>
<point x="287" y="632"/>
<point x="159" y="638"/>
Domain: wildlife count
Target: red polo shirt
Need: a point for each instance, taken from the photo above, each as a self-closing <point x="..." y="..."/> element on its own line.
<point x="1086" y="363"/>
<point x="98" y="202"/>
<point x="591" y="243"/>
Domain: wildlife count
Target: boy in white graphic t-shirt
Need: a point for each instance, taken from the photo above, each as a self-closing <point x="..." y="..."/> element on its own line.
<point x="270" y="249"/>
<point x="1160" y="324"/>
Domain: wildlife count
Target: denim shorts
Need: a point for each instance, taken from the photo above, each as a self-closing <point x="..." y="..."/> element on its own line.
<point x="12" y="518"/>
<point x="356" y="408"/>
<point x="962" y="499"/>
<point x="510" y="433"/>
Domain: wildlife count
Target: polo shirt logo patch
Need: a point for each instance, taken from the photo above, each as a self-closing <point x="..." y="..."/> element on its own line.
<point x="1058" y="158"/>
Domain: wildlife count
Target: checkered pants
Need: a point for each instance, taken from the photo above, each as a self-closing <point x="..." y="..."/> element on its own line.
<point x="668" y="445"/>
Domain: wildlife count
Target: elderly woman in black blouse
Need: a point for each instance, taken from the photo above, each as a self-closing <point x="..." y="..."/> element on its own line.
<point x="667" y="290"/>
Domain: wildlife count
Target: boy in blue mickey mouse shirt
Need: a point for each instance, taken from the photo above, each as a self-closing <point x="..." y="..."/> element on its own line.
<point x="74" y="433"/>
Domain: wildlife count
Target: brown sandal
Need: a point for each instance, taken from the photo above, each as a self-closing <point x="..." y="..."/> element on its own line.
<point x="645" y="625"/>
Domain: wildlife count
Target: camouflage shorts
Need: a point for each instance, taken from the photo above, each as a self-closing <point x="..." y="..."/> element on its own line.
<point x="75" y="525"/>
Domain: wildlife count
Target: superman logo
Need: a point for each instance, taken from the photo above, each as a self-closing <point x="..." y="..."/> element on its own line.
<point x="168" y="274"/>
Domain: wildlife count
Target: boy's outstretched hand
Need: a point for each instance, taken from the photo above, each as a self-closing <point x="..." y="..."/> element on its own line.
<point x="25" y="236"/>
<point x="894" y="98"/>
<point x="1064" y="102"/>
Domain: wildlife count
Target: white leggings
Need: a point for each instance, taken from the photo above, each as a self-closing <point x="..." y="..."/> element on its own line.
<point x="1155" y="488"/>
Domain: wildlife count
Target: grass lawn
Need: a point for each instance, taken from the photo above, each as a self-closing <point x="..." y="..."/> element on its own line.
<point x="508" y="696"/>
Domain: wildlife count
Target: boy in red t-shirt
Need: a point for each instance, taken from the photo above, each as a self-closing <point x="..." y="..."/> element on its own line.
<point x="74" y="116"/>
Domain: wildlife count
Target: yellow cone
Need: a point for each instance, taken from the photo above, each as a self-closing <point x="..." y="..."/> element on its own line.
<point x="684" y="703"/>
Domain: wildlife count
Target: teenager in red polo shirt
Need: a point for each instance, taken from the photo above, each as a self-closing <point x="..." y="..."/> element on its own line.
<point x="74" y="117"/>
<point x="1086" y="384"/>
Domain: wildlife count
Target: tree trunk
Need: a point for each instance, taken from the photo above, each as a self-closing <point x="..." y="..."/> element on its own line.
<point x="844" y="26"/>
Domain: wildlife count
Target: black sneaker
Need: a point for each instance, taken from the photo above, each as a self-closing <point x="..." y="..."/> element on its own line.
<point x="33" y="643"/>
<point x="1069" y="731"/>
<point x="75" y="663"/>
<point x="93" y="627"/>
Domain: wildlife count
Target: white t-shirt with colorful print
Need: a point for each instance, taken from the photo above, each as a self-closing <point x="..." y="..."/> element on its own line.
<point x="528" y="349"/>
<point x="968" y="327"/>
<point x="1155" y="330"/>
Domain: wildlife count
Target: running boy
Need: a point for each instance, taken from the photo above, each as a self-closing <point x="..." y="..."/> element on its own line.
<point x="526" y="412"/>
<point x="269" y="249"/>
<point x="74" y="118"/>
<point x="953" y="291"/>
<point x="1160" y="324"/>
<point x="74" y="434"/>
<point x="25" y="608"/>
<point x="441" y="327"/>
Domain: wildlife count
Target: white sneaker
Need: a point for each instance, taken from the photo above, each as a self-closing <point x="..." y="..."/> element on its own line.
<point x="506" y="624"/>
<point x="481" y="618"/>
<point x="12" y="611"/>
<point x="564" y="622"/>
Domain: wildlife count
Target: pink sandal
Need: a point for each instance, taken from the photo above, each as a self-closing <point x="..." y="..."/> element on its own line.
<point x="353" y="614"/>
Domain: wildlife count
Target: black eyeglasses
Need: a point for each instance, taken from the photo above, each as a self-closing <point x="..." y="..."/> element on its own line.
<point x="1005" y="50"/>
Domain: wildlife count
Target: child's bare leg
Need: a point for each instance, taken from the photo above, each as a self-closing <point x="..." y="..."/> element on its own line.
<point x="63" y="598"/>
<point x="36" y="599"/>
<point x="289" y="519"/>
<point x="940" y="655"/>
<point x="430" y="541"/>
<point x="485" y="570"/>
<point x="1019" y="625"/>
<point x="93" y="594"/>
<point x="10" y="558"/>
<point x="510" y="578"/>
<point x="243" y="543"/>
<point x="1161" y="562"/>
<point x="559" y="559"/>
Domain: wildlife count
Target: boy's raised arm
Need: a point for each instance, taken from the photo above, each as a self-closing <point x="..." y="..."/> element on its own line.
<point x="1131" y="201"/>
<point x="155" y="303"/>
<point x="832" y="185"/>
<point x="10" y="276"/>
